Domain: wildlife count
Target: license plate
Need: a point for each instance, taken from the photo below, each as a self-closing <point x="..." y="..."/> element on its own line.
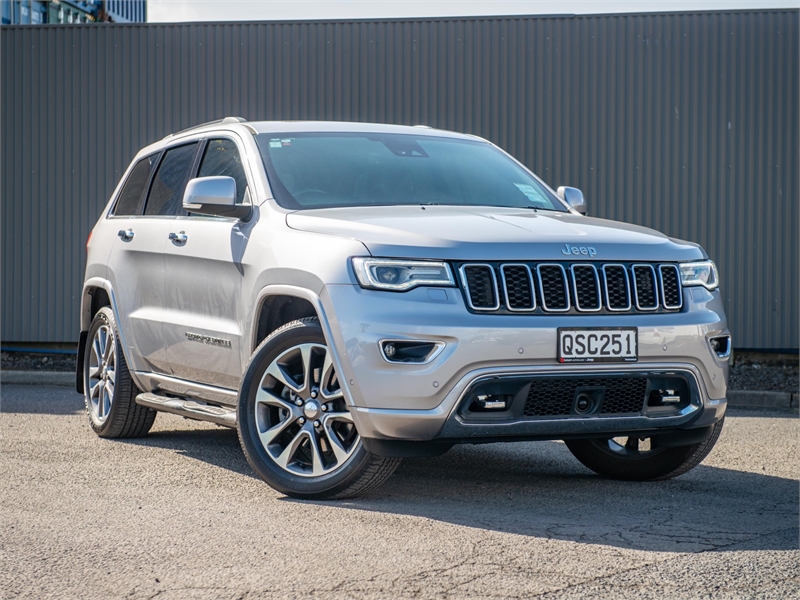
<point x="597" y="345"/>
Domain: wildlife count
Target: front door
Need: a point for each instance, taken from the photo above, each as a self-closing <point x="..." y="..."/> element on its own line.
<point x="204" y="273"/>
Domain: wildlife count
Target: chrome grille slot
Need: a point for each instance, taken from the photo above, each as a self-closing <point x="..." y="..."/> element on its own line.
<point x="553" y="287"/>
<point x="670" y="278"/>
<point x="644" y="287"/>
<point x="480" y="284"/>
<point x="617" y="287"/>
<point x="518" y="287"/>
<point x="586" y="286"/>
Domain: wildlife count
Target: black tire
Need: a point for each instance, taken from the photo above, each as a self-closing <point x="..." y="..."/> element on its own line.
<point x="119" y="417"/>
<point x="606" y="458"/>
<point x="359" y="473"/>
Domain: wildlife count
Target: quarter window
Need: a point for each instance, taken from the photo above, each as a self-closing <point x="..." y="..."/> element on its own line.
<point x="166" y="193"/>
<point x="131" y="197"/>
<point x="222" y="158"/>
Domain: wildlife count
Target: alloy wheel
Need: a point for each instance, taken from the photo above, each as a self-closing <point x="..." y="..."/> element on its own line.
<point x="301" y="418"/>
<point x="102" y="373"/>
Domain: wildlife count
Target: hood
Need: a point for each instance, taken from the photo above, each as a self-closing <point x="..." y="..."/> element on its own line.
<point x="491" y="233"/>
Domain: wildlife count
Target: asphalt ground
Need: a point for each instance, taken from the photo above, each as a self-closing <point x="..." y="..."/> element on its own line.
<point x="180" y="514"/>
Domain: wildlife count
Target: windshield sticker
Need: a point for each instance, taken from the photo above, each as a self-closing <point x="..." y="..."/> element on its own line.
<point x="286" y="142"/>
<point x="275" y="143"/>
<point x="532" y="193"/>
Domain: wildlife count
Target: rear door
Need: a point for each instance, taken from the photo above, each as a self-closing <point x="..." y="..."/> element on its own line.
<point x="143" y="218"/>
<point x="204" y="272"/>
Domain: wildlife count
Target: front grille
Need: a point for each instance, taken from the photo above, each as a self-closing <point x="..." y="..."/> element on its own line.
<point x="556" y="397"/>
<point x="573" y="288"/>
<point x="587" y="287"/>
<point x="554" y="287"/>
<point x="481" y="287"/>
<point x="518" y="285"/>
<point x="670" y="286"/>
<point x="644" y="286"/>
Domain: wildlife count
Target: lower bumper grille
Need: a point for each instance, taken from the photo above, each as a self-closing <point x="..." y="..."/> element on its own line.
<point x="557" y="397"/>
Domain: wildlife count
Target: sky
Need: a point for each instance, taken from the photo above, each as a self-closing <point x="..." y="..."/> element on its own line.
<point x="171" y="11"/>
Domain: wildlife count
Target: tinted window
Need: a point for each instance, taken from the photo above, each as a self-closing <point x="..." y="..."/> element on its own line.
<point x="316" y="170"/>
<point x="222" y="158"/>
<point x="166" y="193"/>
<point x="132" y="194"/>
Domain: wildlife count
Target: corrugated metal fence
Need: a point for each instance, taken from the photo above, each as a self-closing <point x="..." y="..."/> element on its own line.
<point x="683" y="122"/>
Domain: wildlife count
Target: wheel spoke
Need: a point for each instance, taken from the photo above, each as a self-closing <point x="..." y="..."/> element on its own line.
<point x="268" y="436"/>
<point x="305" y="355"/>
<point x="276" y="371"/>
<point x="109" y="349"/>
<point x="328" y="373"/>
<point x="288" y="453"/>
<point x="317" y="467"/>
<point x="632" y="444"/>
<point x="94" y="371"/>
<point x="338" y="416"/>
<point x="338" y="449"/>
<point x="110" y="388"/>
<point x="101" y="399"/>
<point x="98" y="351"/>
<point x="265" y="397"/>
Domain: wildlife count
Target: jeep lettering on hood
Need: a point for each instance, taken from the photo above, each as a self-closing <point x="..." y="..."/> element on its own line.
<point x="491" y="233"/>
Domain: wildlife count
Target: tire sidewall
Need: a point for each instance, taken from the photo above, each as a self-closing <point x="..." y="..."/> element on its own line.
<point x="300" y="332"/>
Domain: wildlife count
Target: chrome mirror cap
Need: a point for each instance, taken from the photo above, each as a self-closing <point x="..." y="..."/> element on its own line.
<point x="573" y="197"/>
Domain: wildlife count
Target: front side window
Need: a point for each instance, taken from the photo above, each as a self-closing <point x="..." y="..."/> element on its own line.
<point x="129" y="202"/>
<point x="222" y="158"/>
<point x="319" y="170"/>
<point x="166" y="192"/>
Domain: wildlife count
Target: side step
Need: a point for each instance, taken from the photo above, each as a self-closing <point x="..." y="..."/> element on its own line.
<point x="189" y="409"/>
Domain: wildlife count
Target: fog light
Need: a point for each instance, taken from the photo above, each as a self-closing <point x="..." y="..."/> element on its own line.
<point x="390" y="350"/>
<point x="721" y="345"/>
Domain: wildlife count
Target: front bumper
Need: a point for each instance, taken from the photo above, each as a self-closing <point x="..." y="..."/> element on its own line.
<point x="422" y="401"/>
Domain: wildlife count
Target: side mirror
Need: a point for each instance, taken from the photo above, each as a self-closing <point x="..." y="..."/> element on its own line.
<point x="214" y="196"/>
<point x="573" y="197"/>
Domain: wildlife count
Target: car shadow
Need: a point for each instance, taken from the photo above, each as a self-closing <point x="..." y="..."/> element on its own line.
<point x="538" y="489"/>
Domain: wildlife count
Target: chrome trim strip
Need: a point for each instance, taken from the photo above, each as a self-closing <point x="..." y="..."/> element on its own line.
<point x="530" y="281"/>
<point x="575" y="287"/>
<point x="627" y="287"/>
<point x="661" y="283"/>
<point x="636" y="287"/>
<point x="438" y="349"/>
<point x="541" y="287"/>
<point x="463" y="274"/>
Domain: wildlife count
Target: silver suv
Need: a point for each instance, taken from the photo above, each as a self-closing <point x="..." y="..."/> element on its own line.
<point x="347" y="294"/>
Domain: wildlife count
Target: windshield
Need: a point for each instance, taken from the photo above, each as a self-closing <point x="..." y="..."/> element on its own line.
<point x="320" y="170"/>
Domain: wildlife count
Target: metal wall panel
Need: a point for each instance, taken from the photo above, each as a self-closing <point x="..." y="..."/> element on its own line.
<point x="684" y="122"/>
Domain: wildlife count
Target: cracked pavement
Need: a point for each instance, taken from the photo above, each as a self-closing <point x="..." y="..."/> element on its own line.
<point x="180" y="514"/>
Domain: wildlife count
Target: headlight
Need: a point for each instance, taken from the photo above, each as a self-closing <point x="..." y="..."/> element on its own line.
<point x="700" y="273"/>
<point x="401" y="275"/>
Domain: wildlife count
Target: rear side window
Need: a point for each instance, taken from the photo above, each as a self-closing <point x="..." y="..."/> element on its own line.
<point x="166" y="192"/>
<point x="131" y="197"/>
<point x="222" y="158"/>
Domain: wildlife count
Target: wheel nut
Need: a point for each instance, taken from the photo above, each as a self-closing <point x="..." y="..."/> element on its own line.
<point x="316" y="423"/>
<point x="324" y="407"/>
<point x="301" y="420"/>
<point x="313" y="393"/>
<point x="298" y="402"/>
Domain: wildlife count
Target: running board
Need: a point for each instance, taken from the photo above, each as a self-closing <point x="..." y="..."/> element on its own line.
<point x="189" y="409"/>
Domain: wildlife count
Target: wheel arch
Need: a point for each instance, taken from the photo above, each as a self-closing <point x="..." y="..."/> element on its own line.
<point x="97" y="292"/>
<point x="294" y="301"/>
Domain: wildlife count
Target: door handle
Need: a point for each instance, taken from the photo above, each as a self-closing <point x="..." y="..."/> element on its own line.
<point x="179" y="238"/>
<point x="126" y="236"/>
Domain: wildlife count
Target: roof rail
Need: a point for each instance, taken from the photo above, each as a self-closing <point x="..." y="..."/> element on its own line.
<point x="225" y="121"/>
